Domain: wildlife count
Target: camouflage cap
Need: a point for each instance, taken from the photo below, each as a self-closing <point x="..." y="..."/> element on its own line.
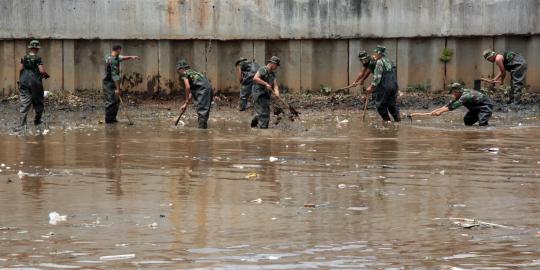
<point x="380" y="49"/>
<point x="34" y="44"/>
<point x="488" y="53"/>
<point x="455" y="86"/>
<point x="274" y="60"/>
<point x="241" y="60"/>
<point x="182" y="64"/>
<point x="363" y="55"/>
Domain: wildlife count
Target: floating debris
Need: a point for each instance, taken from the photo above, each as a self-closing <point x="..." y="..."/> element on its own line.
<point x="342" y="186"/>
<point x="258" y="200"/>
<point x="252" y="175"/>
<point x="273" y="159"/>
<point x="117" y="257"/>
<point x="54" y="218"/>
<point x="358" y="208"/>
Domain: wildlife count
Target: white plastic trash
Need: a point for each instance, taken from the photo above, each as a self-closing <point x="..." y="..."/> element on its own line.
<point x="54" y="218"/>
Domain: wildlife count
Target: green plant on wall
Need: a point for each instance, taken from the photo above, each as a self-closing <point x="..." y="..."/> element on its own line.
<point x="446" y="56"/>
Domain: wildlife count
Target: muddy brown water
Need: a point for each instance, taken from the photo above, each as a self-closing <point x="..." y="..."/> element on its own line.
<point x="312" y="195"/>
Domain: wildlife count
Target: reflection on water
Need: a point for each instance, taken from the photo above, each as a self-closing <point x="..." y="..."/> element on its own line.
<point x="354" y="196"/>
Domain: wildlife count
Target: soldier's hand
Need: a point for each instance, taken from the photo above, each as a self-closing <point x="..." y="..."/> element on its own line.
<point x="369" y="89"/>
<point x="118" y="92"/>
<point x="183" y="107"/>
<point x="45" y="75"/>
<point x="136" y="57"/>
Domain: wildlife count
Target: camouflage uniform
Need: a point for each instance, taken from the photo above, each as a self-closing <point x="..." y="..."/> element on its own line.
<point x="386" y="89"/>
<point x="480" y="107"/>
<point x="261" y="98"/>
<point x="249" y="69"/>
<point x="31" y="88"/>
<point x="112" y="75"/>
<point x="201" y="90"/>
<point x="517" y="66"/>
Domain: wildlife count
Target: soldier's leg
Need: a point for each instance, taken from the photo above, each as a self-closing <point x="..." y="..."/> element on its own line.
<point x="518" y="83"/>
<point x="112" y="102"/>
<point x="264" y="115"/>
<point x="204" y="103"/>
<point x="484" y="115"/>
<point x="245" y="92"/>
<point x="257" y="108"/>
<point x="393" y="108"/>
<point x="38" y="103"/>
<point x="382" y="104"/>
<point x="25" y="95"/>
<point x="471" y="117"/>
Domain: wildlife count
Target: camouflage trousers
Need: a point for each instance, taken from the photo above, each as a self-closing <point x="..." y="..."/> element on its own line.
<point x="480" y="114"/>
<point x="518" y="71"/>
<point x="261" y="105"/>
<point x="201" y="91"/>
<point x="31" y="95"/>
<point x="112" y="102"/>
<point x="245" y="93"/>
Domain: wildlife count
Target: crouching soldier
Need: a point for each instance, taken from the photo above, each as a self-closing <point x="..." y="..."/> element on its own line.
<point x="516" y="65"/>
<point x="385" y="86"/>
<point x="198" y="85"/>
<point x="480" y="105"/>
<point x="264" y="83"/>
<point x="31" y="71"/>
<point x="245" y="71"/>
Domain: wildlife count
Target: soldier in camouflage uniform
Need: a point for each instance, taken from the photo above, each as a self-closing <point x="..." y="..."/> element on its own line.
<point x="111" y="83"/>
<point x="480" y="105"/>
<point x="31" y="73"/>
<point x="385" y="86"/>
<point x="245" y="71"/>
<point x="369" y="67"/>
<point x="264" y="83"/>
<point x="198" y="85"/>
<point x="516" y="65"/>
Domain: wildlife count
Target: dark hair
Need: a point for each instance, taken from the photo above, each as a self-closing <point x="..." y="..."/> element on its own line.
<point x="116" y="47"/>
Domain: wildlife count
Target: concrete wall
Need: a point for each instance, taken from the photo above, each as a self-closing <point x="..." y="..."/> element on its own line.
<point x="306" y="64"/>
<point x="265" y="19"/>
<point x="317" y="40"/>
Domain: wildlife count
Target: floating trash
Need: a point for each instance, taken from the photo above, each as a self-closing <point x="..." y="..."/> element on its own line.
<point x="54" y="218"/>
<point x="252" y="175"/>
<point x="117" y="257"/>
<point x="342" y="186"/>
<point x="357" y="208"/>
<point x="258" y="200"/>
<point x="273" y="159"/>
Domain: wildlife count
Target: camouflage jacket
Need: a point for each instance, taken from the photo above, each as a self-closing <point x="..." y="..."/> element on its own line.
<point x="469" y="98"/>
<point x="112" y="67"/>
<point x="381" y="66"/>
<point x="31" y="62"/>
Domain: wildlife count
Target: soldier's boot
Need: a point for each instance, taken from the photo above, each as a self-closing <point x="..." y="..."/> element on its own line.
<point x="243" y="104"/>
<point x="203" y="123"/>
<point x="37" y="119"/>
<point x="254" y="121"/>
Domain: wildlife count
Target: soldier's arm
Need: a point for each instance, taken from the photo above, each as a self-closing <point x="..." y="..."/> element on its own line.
<point x="129" y="57"/>
<point x="188" y="91"/>
<point x="439" y="111"/>
<point x="21" y="67"/>
<point x="276" y="88"/>
<point x="257" y="79"/>
<point x="239" y="73"/>
<point x="499" y="61"/>
<point x="377" y="75"/>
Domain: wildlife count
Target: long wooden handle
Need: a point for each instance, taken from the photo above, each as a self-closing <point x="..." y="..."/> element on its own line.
<point x="180" y="116"/>
<point x="366" y="100"/>
<point x="124" y="109"/>
<point x="419" y="114"/>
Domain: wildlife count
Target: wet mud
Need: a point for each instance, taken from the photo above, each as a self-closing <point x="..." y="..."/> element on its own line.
<point x="327" y="191"/>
